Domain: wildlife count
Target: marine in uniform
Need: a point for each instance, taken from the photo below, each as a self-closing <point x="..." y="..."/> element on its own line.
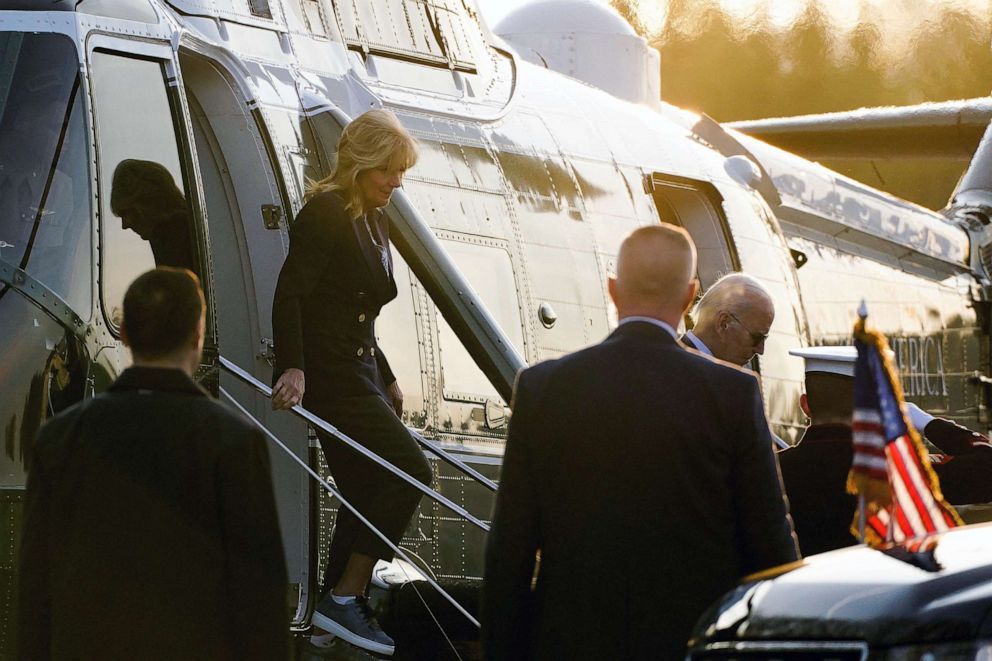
<point x="815" y="470"/>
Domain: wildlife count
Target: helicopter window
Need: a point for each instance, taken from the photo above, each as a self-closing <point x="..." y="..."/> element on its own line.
<point x="44" y="178"/>
<point x="424" y="30"/>
<point x="309" y="15"/>
<point x="144" y="212"/>
<point x="489" y="269"/>
<point x="319" y="133"/>
<point x="260" y="8"/>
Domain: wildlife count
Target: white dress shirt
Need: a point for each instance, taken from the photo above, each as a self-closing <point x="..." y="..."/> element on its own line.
<point x="651" y="320"/>
<point x="698" y="344"/>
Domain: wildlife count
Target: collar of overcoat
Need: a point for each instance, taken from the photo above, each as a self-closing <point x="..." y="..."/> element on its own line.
<point x="645" y="330"/>
<point x="158" y="379"/>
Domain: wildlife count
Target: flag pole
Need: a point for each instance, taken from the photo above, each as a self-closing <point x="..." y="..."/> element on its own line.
<point x="862" y="516"/>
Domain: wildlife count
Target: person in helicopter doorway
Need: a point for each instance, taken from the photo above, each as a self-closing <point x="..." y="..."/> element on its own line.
<point x="145" y="197"/>
<point x="336" y="278"/>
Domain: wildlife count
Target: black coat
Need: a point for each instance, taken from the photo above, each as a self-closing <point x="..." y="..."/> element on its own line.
<point x="150" y="531"/>
<point x="967" y="479"/>
<point x="966" y="472"/>
<point x="329" y="293"/>
<point x="643" y="474"/>
<point x="814" y="472"/>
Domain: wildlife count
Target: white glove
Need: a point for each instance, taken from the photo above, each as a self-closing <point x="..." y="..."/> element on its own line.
<point x="918" y="417"/>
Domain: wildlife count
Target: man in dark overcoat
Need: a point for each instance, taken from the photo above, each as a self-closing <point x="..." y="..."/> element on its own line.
<point x="733" y="319"/>
<point x="150" y="525"/>
<point x="643" y="476"/>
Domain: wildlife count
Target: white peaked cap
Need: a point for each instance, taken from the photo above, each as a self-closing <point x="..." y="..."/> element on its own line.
<point x="831" y="360"/>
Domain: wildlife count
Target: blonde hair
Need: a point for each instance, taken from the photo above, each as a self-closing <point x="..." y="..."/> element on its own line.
<point x="372" y="140"/>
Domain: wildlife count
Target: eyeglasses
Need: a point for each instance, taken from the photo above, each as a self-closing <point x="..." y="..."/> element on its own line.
<point x="756" y="338"/>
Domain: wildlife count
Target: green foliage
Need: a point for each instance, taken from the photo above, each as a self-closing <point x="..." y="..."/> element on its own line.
<point x="734" y="67"/>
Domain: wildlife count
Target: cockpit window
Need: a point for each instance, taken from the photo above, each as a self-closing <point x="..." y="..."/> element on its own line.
<point x="45" y="195"/>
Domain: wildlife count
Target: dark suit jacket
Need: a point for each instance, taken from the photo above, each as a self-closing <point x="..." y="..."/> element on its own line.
<point x="814" y="472"/>
<point x="329" y="293"/>
<point x="644" y="475"/>
<point x="150" y="531"/>
<point x="967" y="479"/>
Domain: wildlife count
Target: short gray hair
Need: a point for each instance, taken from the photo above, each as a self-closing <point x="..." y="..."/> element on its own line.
<point x="727" y="293"/>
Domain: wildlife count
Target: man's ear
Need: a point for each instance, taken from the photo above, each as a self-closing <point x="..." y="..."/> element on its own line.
<point x="690" y="295"/>
<point x="804" y="404"/>
<point x="124" y="337"/>
<point x="199" y="334"/>
<point x="723" y="321"/>
<point x="611" y="287"/>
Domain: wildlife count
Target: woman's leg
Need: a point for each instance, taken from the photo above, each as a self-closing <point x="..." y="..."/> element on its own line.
<point x="386" y="501"/>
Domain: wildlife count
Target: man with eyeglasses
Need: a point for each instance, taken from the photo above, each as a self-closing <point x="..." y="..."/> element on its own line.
<point x="732" y="319"/>
<point x="732" y="322"/>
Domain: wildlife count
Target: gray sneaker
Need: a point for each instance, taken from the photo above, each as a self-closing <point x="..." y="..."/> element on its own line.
<point x="353" y="622"/>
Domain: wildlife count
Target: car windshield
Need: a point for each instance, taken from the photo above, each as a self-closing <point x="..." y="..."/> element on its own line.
<point x="45" y="201"/>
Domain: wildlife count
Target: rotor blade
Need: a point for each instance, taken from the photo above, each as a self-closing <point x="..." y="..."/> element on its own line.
<point x="950" y="129"/>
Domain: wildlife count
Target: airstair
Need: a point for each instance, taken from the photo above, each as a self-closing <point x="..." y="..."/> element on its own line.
<point x="413" y="597"/>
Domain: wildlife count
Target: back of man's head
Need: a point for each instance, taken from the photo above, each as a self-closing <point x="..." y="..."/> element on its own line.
<point x="829" y="398"/>
<point x="655" y="273"/>
<point x="163" y="314"/>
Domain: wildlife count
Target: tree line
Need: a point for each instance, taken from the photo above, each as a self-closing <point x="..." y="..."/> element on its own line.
<point x="733" y="67"/>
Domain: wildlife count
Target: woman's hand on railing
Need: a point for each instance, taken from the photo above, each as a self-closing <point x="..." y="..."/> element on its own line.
<point x="289" y="390"/>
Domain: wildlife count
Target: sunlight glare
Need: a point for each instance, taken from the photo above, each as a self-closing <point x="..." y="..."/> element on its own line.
<point x="652" y="14"/>
<point x="843" y="14"/>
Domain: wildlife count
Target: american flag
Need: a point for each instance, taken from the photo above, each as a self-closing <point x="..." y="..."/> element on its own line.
<point x="890" y="466"/>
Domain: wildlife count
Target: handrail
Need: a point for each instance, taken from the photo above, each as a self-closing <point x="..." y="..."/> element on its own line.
<point x="354" y="445"/>
<point x="334" y="492"/>
<point x="456" y="462"/>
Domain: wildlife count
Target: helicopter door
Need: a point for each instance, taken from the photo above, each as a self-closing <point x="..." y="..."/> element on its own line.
<point x="243" y="203"/>
<point x="708" y="215"/>
<point x="693" y="205"/>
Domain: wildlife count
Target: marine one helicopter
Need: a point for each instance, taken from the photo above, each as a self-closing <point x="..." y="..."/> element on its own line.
<point x="540" y="150"/>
